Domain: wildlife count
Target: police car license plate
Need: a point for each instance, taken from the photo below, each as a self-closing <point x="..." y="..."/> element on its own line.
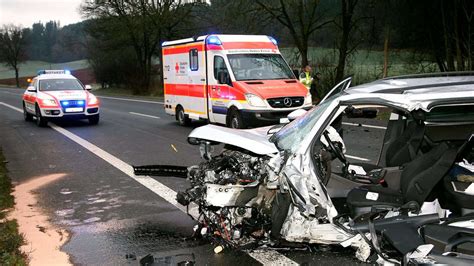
<point x="74" y="109"/>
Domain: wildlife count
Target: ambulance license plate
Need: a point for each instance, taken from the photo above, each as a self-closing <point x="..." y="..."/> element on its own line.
<point x="74" y="109"/>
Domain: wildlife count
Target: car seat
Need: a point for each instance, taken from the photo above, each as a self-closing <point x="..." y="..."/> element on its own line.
<point x="418" y="179"/>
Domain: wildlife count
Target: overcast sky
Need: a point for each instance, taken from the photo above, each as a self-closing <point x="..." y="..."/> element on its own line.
<point x="27" y="12"/>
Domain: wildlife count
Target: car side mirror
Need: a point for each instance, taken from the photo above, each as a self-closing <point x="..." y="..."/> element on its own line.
<point x="223" y="77"/>
<point x="88" y="87"/>
<point x="295" y="114"/>
<point x="31" y="89"/>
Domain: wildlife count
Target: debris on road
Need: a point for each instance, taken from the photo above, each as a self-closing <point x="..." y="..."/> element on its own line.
<point x="174" y="148"/>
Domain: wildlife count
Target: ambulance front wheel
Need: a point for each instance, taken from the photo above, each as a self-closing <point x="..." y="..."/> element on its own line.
<point x="235" y="119"/>
<point x="183" y="120"/>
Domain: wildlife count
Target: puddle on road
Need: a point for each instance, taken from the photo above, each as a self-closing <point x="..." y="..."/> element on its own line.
<point x="43" y="239"/>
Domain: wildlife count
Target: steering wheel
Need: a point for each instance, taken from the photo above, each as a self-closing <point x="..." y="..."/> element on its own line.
<point x="336" y="149"/>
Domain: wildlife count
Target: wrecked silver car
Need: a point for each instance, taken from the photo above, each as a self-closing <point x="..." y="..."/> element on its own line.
<point x="267" y="188"/>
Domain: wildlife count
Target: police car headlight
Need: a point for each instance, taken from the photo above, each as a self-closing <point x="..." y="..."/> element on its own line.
<point x="308" y="99"/>
<point x="48" y="102"/>
<point x="92" y="100"/>
<point x="254" y="100"/>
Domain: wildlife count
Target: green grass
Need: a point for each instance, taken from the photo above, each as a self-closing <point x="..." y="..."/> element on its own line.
<point x="10" y="239"/>
<point x="30" y="68"/>
<point x="364" y="65"/>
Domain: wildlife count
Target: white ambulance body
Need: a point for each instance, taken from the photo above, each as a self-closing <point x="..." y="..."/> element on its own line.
<point x="235" y="80"/>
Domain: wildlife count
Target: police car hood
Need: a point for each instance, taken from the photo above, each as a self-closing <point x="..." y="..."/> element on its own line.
<point x="67" y="95"/>
<point x="254" y="140"/>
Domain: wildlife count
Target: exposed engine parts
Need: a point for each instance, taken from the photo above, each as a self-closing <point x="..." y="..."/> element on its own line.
<point x="234" y="208"/>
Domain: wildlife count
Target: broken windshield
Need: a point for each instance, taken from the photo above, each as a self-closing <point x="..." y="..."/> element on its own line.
<point x="290" y="136"/>
<point x="259" y="67"/>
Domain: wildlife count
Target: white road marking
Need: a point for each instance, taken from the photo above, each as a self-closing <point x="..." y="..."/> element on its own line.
<point x="9" y="92"/>
<point x="12" y="107"/>
<point x="362" y="125"/>
<point x="266" y="257"/>
<point x="357" y="158"/>
<point x="145" y="115"/>
<point x="130" y="100"/>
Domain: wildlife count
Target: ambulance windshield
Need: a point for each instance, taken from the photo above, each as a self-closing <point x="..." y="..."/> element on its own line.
<point x="259" y="67"/>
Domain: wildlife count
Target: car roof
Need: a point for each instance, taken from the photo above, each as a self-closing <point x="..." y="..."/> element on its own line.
<point x="420" y="83"/>
<point x="55" y="76"/>
<point x="410" y="101"/>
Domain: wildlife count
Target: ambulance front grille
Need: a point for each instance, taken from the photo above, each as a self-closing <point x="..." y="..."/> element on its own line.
<point x="286" y="102"/>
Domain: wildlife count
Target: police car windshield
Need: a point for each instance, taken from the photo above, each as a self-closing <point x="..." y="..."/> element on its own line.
<point x="259" y="67"/>
<point x="59" y="85"/>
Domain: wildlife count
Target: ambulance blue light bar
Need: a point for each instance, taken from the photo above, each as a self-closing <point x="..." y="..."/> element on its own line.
<point x="273" y="40"/>
<point x="213" y="40"/>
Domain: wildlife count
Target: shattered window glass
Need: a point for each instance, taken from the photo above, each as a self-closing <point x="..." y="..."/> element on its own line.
<point x="289" y="137"/>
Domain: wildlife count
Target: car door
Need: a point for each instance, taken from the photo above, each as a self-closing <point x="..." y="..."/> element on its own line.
<point x="218" y="90"/>
<point x="30" y="96"/>
<point x="340" y="87"/>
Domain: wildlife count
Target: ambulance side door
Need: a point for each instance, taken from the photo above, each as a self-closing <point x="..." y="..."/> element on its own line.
<point x="218" y="81"/>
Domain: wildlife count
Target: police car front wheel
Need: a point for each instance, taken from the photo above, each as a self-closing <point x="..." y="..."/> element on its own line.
<point x="94" y="120"/>
<point x="40" y="120"/>
<point x="27" y="116"/>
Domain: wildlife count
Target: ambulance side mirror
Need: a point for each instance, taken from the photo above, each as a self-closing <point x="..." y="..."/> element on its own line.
<point x="31" y="89"/>
<point x="224" y="78"/>
<point x="88" y="87"/>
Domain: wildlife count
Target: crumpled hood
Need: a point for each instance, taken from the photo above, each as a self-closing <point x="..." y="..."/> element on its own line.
<point x="254" y="140"/>
<point x="67" y="95"/>
<point x="267" y="89"/>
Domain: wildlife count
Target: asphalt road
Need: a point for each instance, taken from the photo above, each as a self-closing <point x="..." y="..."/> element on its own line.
<point x="109" y="212"/>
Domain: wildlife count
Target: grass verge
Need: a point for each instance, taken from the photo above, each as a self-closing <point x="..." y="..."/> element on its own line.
<point x="10" y="238"/>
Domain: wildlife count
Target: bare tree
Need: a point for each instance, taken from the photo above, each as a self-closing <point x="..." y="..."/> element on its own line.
<point x="346" y="26"/>
<point x="144" y="25"/>
<point x="300" y="17"/>
<point x="12" y="47"/>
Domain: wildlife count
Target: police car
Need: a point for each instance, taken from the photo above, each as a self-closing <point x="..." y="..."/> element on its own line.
<point x="57" y="94"/>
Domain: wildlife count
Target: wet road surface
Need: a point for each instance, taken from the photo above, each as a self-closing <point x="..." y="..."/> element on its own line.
<point x="110" y="214"/>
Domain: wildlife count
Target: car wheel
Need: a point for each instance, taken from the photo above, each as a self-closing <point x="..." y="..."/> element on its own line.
<point x="235" y="120"/>
<point x="40" y="120"/>
<point x="27" y="116"/>
<point x="183" y="120"/>
<point x="94" y="120"/>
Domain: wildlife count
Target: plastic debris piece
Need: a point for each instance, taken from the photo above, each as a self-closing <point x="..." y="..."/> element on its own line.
<point x="174" y="148"/>
<point x="131" y="257"/>
<point x="218" y="249"/>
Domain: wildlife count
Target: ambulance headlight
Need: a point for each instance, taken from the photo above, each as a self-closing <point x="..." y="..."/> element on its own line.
<point x="308" y="99"/>
<point x="254" y="100"/>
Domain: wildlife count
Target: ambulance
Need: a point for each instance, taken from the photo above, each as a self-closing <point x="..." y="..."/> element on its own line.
<point x="235" y="80"/>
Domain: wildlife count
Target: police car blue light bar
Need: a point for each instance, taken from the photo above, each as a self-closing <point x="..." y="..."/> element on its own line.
<point x="213" y="40"/>
<point x="42" y="72"/>
<point x="273" y="40"/>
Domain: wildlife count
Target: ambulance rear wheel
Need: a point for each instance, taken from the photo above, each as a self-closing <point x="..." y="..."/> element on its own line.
<point x="235" y="119"/>
<point x="183" y="120"/>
